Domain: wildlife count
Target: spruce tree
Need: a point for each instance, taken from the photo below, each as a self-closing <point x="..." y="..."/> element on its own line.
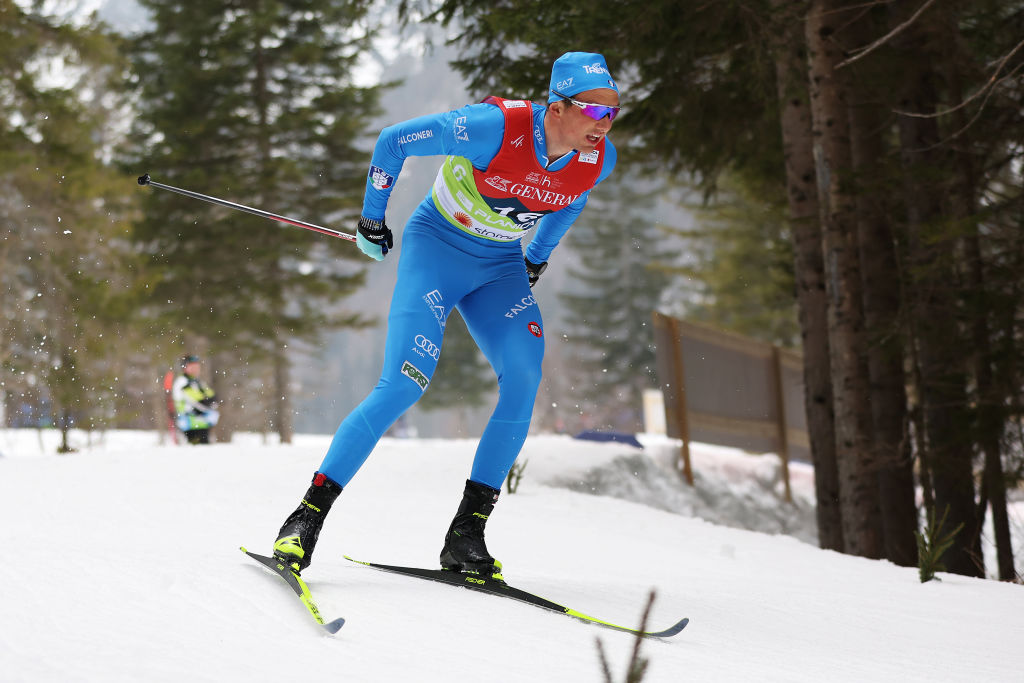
<point x="614" y="291"/>
<point x="256" y="104"/>
<point x="934" y="95"/>
<point x="63" y="256"/>
<point x="740" y="261"/>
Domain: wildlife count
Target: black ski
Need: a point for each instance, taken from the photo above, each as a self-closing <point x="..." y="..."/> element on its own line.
<point x="292" y="578"/>
<point x="499" y="587"/>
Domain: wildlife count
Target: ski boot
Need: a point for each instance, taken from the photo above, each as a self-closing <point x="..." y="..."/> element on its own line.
<point x="297" y="537"/>
<point x="464" y="548"/>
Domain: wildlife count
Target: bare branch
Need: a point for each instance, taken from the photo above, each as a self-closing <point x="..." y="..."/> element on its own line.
<point x="605" y="669"/>
<point x="864" y="51"/>
<point x="953" y="136"/>
<point x="986" y="90"/>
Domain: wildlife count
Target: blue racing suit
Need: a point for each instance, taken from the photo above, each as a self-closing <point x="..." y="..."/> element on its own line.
<point x="445" y="264"/>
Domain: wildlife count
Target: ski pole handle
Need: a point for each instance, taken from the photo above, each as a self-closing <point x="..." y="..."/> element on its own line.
<point x="146" y="180"/>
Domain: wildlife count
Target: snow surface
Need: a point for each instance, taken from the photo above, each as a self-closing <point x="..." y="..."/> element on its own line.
<point x="122" y="564"/>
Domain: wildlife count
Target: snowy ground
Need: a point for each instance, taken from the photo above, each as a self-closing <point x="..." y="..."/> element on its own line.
<point x="122" y="564"/>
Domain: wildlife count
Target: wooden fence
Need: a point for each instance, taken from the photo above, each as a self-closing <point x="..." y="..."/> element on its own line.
<point x="722" y="388"/>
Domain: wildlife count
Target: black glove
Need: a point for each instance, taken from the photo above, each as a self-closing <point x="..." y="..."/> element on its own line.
<point x="534" y="270"/>
<point x="374" y="238"/>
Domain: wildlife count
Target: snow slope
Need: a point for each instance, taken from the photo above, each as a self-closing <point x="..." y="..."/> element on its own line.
<point x="122" y="564"/>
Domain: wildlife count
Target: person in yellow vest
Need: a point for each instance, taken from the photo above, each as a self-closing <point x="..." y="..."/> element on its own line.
<point x="194" y="402"/>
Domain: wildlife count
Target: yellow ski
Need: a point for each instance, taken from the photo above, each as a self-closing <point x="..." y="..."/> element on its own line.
<point x="292" y="578"/>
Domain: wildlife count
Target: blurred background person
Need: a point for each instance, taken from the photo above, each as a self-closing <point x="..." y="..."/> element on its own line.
<point x="194" y="402"/>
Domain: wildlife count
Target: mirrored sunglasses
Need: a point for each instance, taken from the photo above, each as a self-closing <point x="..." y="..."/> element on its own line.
<point x="594" y="111"/>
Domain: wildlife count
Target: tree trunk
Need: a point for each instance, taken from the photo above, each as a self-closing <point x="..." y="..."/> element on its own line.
<point x="1007" y="378"/>
<point x="283" y="396"/>
<point x="934" y="310"/>
<point x="217" y="377"/>
<point x="809" y="270"/>
<point x="282" y="400"/>
<point x="991" y="416"/>
<point x="882" y="297"/>
<point x="858" y="480"/>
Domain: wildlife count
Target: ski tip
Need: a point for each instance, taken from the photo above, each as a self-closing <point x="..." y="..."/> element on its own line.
<point x="352" y="559"/>
<point x="670" y="631"/>
<point x="333" y="627"/>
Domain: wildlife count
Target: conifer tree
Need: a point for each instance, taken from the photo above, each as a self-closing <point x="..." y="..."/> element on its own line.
<point x="257" y="104"/>
<point x="933" y="95"/>
<point x="63" y="256"/>
<point x="610" y="302"/>
<point x="739" y="256"/>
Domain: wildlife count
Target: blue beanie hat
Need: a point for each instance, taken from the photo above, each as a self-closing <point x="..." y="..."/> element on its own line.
<point x="575" y="72"/>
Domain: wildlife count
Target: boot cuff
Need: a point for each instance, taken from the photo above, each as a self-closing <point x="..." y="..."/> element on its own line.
<point x="482" y="492"/>
<point x="321" y="479"/>
<point x="322" y="492"/>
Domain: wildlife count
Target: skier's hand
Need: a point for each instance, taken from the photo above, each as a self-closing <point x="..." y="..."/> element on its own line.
<point x="534" y="270"/>
<point x="374" y="238"/>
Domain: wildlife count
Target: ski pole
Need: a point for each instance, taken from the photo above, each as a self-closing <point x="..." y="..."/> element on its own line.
<point x="145" y="180"/>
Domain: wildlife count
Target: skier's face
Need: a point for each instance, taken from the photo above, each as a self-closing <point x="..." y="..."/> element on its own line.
<point x="192" y="369"/>
<point x="583" y="132"/>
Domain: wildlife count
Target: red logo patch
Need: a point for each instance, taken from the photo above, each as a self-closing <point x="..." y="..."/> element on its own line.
<point x="535" y="329"/>
<point x="464" y="219"/>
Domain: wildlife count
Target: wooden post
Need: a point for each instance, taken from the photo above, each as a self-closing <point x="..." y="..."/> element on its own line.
<point x="780" y="400"/>
<point x="679" y="378"/>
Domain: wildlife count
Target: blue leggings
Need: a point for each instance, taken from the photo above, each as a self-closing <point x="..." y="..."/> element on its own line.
<point x="438" y="270"/>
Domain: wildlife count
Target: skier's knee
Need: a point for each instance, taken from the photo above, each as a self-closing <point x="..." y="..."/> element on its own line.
<point x="520" y="387"/>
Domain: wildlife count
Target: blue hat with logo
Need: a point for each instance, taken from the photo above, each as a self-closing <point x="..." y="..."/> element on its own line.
<point x="575" y="72"/>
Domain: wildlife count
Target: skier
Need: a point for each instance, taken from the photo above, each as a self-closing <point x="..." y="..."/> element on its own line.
<point x="194" y="403"/>
<point x="511" y="165"/>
